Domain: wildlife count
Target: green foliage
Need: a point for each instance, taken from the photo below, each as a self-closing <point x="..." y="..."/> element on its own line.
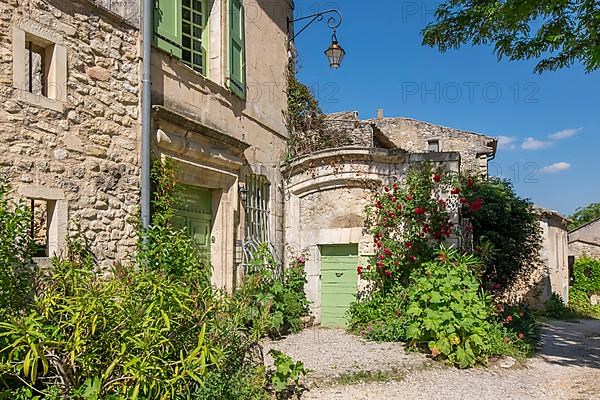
<point x="16" y="252"/>
<point x="306" y="121"/>
<point x="285" y="379"/>
<point x="155" y="330"/>
<point x="583" y="215"/>
<point x="408" y="219"/>
<point x="447" y="311"/>
<point x="379" y="316"/>
<point x="281" y="300"/>
<point x="563" y="32"/>
<point x="586" y="276"/>
<point x="506" y="231"/>
<point x="162" y="247"/>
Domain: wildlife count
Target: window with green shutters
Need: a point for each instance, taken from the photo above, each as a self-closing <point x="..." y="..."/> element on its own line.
<point x="179" y="29"/>
<point x="237" y="48"/>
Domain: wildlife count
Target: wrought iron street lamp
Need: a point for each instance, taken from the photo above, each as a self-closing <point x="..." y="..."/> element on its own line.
<point x="335" y="53"/>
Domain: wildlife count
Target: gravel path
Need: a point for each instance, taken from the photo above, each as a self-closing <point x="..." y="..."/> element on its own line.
<point x="567" y="367"/>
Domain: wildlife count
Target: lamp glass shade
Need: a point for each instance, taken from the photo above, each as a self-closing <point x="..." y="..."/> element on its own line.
<point x="335" y="54"/>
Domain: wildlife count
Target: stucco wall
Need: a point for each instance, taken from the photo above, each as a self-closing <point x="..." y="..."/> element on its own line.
<point x="85" y="148"/>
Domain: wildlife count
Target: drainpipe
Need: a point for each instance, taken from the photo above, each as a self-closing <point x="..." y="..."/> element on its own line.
<point x="147" y="29"/>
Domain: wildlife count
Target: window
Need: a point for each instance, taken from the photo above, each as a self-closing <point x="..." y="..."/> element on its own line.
<point x="433" y="146"/>
<point x="38" y="225"/>
<point x="237" y="48"/>
<point x="39" y="65"/>
<point x="36" y="75"/>
<point x="257" y="209"/>
<point x="179" y="29"/>
<point x="48" y="223"/>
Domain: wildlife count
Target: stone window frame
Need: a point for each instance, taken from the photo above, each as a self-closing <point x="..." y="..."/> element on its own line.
<point x="55" y="64"/>
<point x="56" y="220"/>
<point x="428" y="145"/>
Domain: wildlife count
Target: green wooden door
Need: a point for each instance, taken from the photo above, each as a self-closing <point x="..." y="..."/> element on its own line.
<point x="194" y="213"/>
<point x="338" y="282"/>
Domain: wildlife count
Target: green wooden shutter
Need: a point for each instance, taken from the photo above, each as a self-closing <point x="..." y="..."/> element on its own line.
<point x="237" y="49"/>
<point x="167" y="26"/>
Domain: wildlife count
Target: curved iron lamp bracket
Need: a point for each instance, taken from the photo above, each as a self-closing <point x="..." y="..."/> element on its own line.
<point x="333" y="22"/>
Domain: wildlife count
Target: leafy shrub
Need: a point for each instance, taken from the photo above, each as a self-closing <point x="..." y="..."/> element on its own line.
<point x="408" y="220"/>
<point x="282" y="298"/>
<point x="586" y="276"/>
<point x="447" y="311"/>
<point x="152" y="330"/>
<point x="506" y="231"/>
<point x="379" y="316"/>
<point x="16" y="252"/>
<point x="285" y="379"/>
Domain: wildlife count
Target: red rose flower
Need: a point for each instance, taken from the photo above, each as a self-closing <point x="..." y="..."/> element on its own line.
<point x="359" y="269"/>
<point x="409" y="197"/>
<point x="442" y="202"/>
<point x="395" y="185"/>
<point x="463" y="200"/>
<point x="399" y="207"/>
<point x="378" y="204"/>
<point x="508" y="318"/>
<point x="521" y="335"/>
<point x="386" y="189"/>
<point x="381" y="257"/>
<point x="455" y="191"/>
<point x="379" y="264"/>
<point x="379" y="245"/>
<point x="419" y="211"/>
<point x="387" y="252"/>
<point x="476" y="205"/>
<point x="388" y="273"/>
<point x="413" y="258"/>
<point x="437" y="178"/>
<point x="469" y="183"/>
<point x="408" y="245"/>
<point x="396" y="263"/>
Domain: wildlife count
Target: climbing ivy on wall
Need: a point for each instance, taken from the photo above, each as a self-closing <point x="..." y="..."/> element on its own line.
<point x="306" y="121"/>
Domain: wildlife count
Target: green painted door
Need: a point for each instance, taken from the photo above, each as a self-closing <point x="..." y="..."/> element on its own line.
<point x="194" y="213"/>
<point x="338" y="282"/>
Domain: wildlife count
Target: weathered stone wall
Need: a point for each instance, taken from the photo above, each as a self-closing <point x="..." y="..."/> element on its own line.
<point x="87" y="149"/>
<point x="585" y="240"/>
<point x="347" y="125"/>
<point x="583" y="249"/>
<point x="413" y="136"/>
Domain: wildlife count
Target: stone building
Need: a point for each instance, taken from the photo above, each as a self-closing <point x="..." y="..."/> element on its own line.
<point x="69" y="119"/>
<point x="326" y="195"/>
<point x="475" y="149"/>
<point x="585" y="241"/>
<point x="219" y="91"/>
<point x="552" y="275"/>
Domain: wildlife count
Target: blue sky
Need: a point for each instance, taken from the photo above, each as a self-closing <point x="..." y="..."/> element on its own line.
<point x="549" y="124"/>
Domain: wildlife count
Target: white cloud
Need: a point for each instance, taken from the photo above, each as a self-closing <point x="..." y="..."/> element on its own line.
<point x="565" y="133"/>
<point x="556" y="167"/>
<point x="534" y="144"/>
<point x="507" y="142"/>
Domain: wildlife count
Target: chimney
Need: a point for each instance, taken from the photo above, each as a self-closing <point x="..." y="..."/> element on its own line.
<point x="380" y="113"/>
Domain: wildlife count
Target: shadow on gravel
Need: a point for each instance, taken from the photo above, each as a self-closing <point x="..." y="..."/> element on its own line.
<point x="571" y="343"/>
